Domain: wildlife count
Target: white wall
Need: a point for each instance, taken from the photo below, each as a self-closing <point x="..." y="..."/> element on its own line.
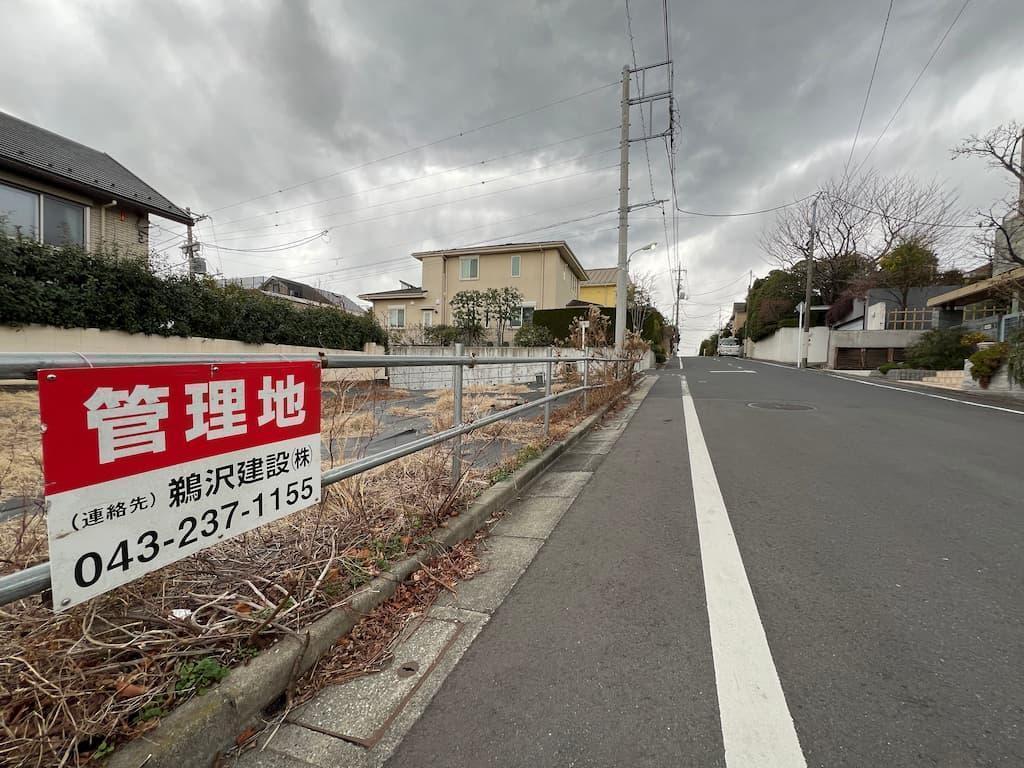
<point x="782" y="346"/>
<point x="85" y="341"/>
<point x="876" y="317"/>
<point x="440" y="377"/>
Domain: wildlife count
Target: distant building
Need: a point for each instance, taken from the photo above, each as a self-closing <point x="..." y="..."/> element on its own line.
<point x="547" y="274"/>
<point x="296" y="292"/>
<point x="601" y="286"/>
<point x="739" y="317"/>
<point x="60" y="192"/>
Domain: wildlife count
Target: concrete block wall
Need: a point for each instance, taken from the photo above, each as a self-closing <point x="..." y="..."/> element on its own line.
<point x="85" y="341"/>
<point x="525" y="372"/>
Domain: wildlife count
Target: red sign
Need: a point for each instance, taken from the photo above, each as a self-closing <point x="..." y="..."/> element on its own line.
<point x="106" y="423"/>
<point x="145" y="465"/>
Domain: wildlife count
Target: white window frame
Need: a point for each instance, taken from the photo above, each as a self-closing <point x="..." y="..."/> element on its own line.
<point x="40" y="212"/>
<point x="469" y="260"/>
<point x="396" y="308"/>
<point x="517" y="322"/>
<point x="427" y="317"/>
<point x="516" y="265"/>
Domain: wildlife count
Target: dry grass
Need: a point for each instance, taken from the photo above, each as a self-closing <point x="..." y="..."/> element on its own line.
<point x="104" y="672"/>
<point x="21" y="464"/>
<point x="70" y="682"/>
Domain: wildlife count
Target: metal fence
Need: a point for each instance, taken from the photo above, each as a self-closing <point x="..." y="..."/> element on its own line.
<point x="13" y="367"/>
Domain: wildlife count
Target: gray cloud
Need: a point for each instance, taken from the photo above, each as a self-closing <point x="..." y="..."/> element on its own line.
<point x="214" y="104"/>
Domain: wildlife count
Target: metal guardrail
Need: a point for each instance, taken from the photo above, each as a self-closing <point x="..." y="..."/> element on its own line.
<point x="36" y="579"/>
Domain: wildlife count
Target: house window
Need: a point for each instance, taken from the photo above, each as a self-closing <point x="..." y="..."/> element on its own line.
<point x="428" y="318"/>
<point x="29" y="214"/>
<point x="516" y="264"/>
<point x="396" y="317"/>
<point x="469" y="268"/>
<point x="63" y="222"/>
<point x="523" y="316"/>
<point x="19" y="212"/>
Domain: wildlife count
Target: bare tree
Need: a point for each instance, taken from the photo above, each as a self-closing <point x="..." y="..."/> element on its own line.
<point x="908" y="211"/>
<point x="640" y="299"/>
<point x="859" y="223"/>
<point x="1001" y="148"/>
<point x="842" y="228"/>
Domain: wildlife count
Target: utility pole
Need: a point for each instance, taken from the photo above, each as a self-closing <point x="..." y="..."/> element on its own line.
<point x="623" y="274"/>
<point x="189" y="244"/>
<point x="806" y="330"/>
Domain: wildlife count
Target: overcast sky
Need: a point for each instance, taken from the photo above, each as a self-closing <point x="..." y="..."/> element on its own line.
<point x="217" y="103"/>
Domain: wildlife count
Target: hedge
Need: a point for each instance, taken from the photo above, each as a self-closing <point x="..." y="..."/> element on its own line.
<point x="71" y="288"/>
<point x="557" y="321"/>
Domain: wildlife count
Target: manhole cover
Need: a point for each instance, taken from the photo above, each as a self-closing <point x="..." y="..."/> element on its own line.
<point x="408" y="669"/>
<point x="780" y="406"/>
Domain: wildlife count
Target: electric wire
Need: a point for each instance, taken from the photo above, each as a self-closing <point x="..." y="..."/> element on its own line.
<point x="419" y="147"/>
<point x="867" y="95"/>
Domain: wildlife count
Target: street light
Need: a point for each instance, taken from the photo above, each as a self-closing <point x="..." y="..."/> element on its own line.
<point x="648" y="247"/>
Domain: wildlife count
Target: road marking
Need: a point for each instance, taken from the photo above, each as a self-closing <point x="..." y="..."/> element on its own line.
<point x="928" y="394"/>
<point x="776" y="365"/>
<point x="737" y="371"/>
<point x="757" y="728"/>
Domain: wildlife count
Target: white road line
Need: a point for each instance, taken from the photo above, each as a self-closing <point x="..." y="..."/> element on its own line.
<point x="757" y="728"/>
<point x="928" y="394"/>
<point x="737" y="371"/>
<point x="776" y="365"/>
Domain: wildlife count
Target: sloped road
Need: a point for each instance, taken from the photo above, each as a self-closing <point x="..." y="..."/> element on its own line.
<point x="834" y="577"/>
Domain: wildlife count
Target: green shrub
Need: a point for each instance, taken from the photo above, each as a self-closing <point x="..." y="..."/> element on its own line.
<point x="72" y="288"/>
<point x="886" y="367"/>
<point x="985" y="362"/>
<point x="531" y="335"/>
<point x="941" y="349"/>
<point x="444" y="335"/>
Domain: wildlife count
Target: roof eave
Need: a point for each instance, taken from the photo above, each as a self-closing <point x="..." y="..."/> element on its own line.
<point x="559" y="245"/>
<point x="99" y="192"/>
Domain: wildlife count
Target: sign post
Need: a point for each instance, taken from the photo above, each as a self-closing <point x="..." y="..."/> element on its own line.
<point x="146" y="465"/>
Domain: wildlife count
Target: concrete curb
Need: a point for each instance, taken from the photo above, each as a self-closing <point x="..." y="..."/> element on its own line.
<point x="196" y="731"/>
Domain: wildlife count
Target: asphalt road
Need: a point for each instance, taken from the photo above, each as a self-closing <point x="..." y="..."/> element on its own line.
<point x="882" y="540"/>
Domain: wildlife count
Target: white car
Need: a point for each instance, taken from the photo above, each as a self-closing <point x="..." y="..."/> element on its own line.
<point x="729" y="348"/>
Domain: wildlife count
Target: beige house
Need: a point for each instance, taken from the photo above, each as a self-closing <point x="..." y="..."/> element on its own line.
<point x="60" y="192"/>
<point x="548" y="275"/>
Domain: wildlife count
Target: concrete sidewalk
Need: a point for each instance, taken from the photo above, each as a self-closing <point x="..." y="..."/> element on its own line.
<point x="363" y="722"/>
<point x="600" y="655"/>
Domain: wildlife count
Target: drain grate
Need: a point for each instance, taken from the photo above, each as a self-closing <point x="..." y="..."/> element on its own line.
<point x="780" y="406"/>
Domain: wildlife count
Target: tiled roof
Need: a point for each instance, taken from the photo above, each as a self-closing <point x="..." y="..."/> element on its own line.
<point x="28" y="147"/>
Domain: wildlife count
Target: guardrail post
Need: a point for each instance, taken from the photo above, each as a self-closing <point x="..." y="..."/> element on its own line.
<point x="547" y="393"/>
<point x="457" y="416"/>
<point x="586" y="379"/>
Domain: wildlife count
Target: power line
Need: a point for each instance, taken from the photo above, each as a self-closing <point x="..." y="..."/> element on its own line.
<point x="420" y="241"/>
<point x="867" y="95"/>
<point x="419" y="147"/>
<point x="716" y="290"/>
<point x="271" y="248"/>
<point x="464" y="199"/>
<point x="912" y="86"/>
<point x="323" y="216"/>
<point x="744" y="213"/>
<point x="452" y="169"/>
<point x="941" y="224"/>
